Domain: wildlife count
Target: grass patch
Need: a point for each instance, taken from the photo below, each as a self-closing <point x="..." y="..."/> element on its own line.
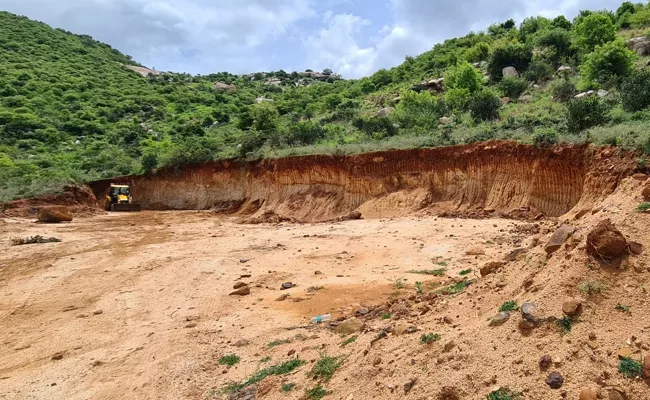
<point x="325" y="368"/>
<point x="434" y="272"/>
<point x="564" y="324"/>
<point x="509" y="305"/>
<point x="279" y="369"/>
<point x="621" y="307"/>
<point x="457" y="287"/>
<point x="630" y="368"/>
<point x="592" y="287"/>
<point x="317" y="393"/>
<point x="418" y="287"/>
<point x="441" y="263"/>
<point x="287" y="387"/>
<point x="265" y="359"/>
<point x="230" y="360"/>
<point x="399" y="283"/>
<point x="349" y="340"/>
<point x="503" y="394"/>
<point x="429" y="338"/>
<point x="465" y="272"/>
<point x="386" y="315"/>
<point x="643" y="207"/>
<point x="277" y="343"/>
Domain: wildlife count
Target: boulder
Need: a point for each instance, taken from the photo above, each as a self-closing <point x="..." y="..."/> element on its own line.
<point x="54" y="214"/>
<point x="584" y="94"/>
<point x="242" y="291"/>
<point x="572" y="307"/>
<point x="558" y="238"/>
<point x="636" y="248"/>
<point x="223" y="87"/>
<point x="349" y="326"/>
<point x="491" y="267"/>
<point x="588" y="394"/>
<point x="565" y="69"/>
<point x="510" y="72"/>
<point x="384" y="112"/>
<point x="606" y="242"/>
<point x="446" y="120"/>
<point x="500" y="318"/>
<point x="239" y="285"/>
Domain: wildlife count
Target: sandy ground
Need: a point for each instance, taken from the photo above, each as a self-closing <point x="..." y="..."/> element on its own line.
<point x="136" y="306"/>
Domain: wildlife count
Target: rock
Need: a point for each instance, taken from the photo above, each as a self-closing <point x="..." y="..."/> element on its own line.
<point x="510" y="72"/>
<point x="241" y="343"/>
<point x="266" y="385"/>
<point x="448" y="320"/>
<point x="588" y="394"/>
<point x="606" y="242"/>
<point x="558" y="238"/>
<point x="528" y="311"/>
<point x="384" y="112"/>
<point x="640" y="45"/>
<point x="283" y="297"/>
<point x="516" y="254"/>
<point x="448" y="393"/>
<point x="291" y="352"/>
<point x="646" y="191"/>
<point x="555" y="380"/>
<point x="583" y="94"/>
<point x="98" y="312"/>
<point x="545" y="362"/>
<point x="403" y="329"/>
<point x="54" y="214"/>
<point x="57" y="356"/>
<point x="318" y="273"/>
<point x="475" y="251"/>
<point x="377" y="361"/>
<point x="500" y="318"/>
<point x="640" y="177"/>
<point x="446" y="120"/>
<point x="525" y="99"/>
<point x="614" y="394"/>
<point x="352" y="215"/>
<point x="602" y="93"/>
<point x="409" y="385"/>
<point x="526" y="325"/>
<point x="505" y="100"/>
<point x="565" y="69"/>
<point x="223" y="87"/>
<point x="191" y="325"/>
<point x="491" y="267"/>
<point x="239" y="285"/>
<point x="625" y="352"/>
<point x="349" y="326"/>
<point x="646" y="367"/>
<point x="572" y="307"/>
<point x="242" y="291"/>
<point x="287" y="285"/>
<point x="449" y="346"/>
<point x="244" y="260"/>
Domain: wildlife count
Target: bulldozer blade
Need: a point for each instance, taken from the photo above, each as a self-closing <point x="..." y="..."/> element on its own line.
<point x="125" y="207"/>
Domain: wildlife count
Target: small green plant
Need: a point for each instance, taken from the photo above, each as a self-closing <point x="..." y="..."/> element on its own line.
<point x="434" y="272"/>
<point x="325" y="368"/>
<point x="399" y="283"/>
<point x="349" y="340"/>
<point x="591" y="287"/>
<point x="503" y="394"/>
<point x="457" y="287"/>
<point x="441" y="263"/>
<point x="279" y="369"/>
<point x="419" y="288"/>
<point x="623" y="308"/>
<point x="265" y="359"/>
<point x="429" y="338"/>
<point x="630" y="368"/>
<point x="278" y="343"/>
<point x="513" y="87"/>
<point x="564" y="324"/>
<point x="545" y="137"/>
<point x="643" y="207"/>
<point x="510" y="305"/>
<point x="230" y="360"/>
<point x="287" y="387"/>
<point x="386" y="315"/>
<point x="465" y="272"/>
<point x="317" y="393"/>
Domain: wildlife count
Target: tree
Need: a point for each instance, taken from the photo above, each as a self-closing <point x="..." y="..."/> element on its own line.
<point x="635" y="91"/>
<point x="561" y="22"/>
<point x="484" y="106"/>
<point x="557" y="42"/>
<point x="327" y="71"/>
<point x="463" y="76"/>
<point x="626" y="7"/>
<point x="608" y="64"/>
<point x="595" y="30"/>
<point x="532" y="25"/>
<point x="586" y="113"/>
<point x="513" y="55"/>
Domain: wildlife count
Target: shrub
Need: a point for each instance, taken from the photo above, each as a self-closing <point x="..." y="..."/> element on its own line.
<point x="630" y="368"/>
<point x="479" y="52"/>
<point x="531" y="25"/>
<point x="643" y="207"/>
<point x="640" y="19"/>
<point x="591" y="287"/>
<point x="325" y="368"/>
<point x="230" y="360"/>
<point x="484" y="106"/>
<point x="376" y="127"/>
<point x="513" y="55"/>
<point x="564" y="324"/>
<point x="429" y="338"/>
<point x="595" y="30"/>
<point x="635" y="91"/>
<point x="561" y="22"/>
<point x="545" y="137"/>
<point x="608" y="64"/>
<point x="586" y="113"/>
<point x="457" y="99"/>
<point x="510" y="305"/>
<point x="317" y="393"/>
<point x="419" y="110"/>
<point x="463" y="76"/>
<point x="539" y="72"/>
<point x="513" y="87"/>
<point x="503" y="394"/>
<point x="563" y="90"/>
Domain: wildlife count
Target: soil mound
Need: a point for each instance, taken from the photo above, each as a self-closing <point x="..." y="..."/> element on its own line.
<point x="80" y="200"/>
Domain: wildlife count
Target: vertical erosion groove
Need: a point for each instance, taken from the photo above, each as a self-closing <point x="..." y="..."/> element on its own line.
<point x="496" y="175"/>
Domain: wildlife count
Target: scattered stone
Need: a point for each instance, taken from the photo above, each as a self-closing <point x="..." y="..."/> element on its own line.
<point x="584" y="94"/>
<point x="526" y="325"/>
<point x="287" y="285"/>
<point x="528" y="311"/>
<point x="377" y="361"/>
<point x="191" y="325"/>
<point x="448" y="320"/>
<point x="244" y="260"/>
<point x="555" y="380"/>
<point x="57" y="356"/>
<point x="241" y="343"/>
<point x="318" y="273"/>
<point x="545" y="362"/>
<point x="588" y="394"/>
<point x="37" y="239"/>
<point x="505" y="100"/>
<point x="242" y="291"/>
<point x="291" y="352"/>
<point x="646" y="367"/>
<point x="625" y="352"/>
<point x="449" y="346"/>
<point x="636" y="248"/>
<point x="403" y="329"/>
<point x="500" y="318"/>
<point x="602" y="93"/>
<point x="606" y="242"/>
<point x="475" y="251"/>
<point x="349" y="326"/>
<point x="98" y="312"/>
<point x="572" y="307"/>
<point x="409" y="385"/>
<point x="448" y="393"/>
<point x="565" y="69"/>
<point x="516" y="255"/>
<point x="384" y="112"/>
<point x="491" y="267"/>
<point x="446" y="120"/>
<point x="54" y="214"/>
<point x="239" y="285"/>
<point x="363" y="311"/>
<point x="558" y="238"/>
<point x="283" y="297"/>
<point x="245" y="276"/>
<point x="510" y="72"/>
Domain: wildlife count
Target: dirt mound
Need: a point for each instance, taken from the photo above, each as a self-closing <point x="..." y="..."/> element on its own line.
<point x="512" y="179"/>
<point x="606" y="242"/>
<point x="54" y="214"/>
<point x="80" y="200"/>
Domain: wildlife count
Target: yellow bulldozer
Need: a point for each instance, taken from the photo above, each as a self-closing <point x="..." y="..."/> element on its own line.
<point x="119" y="199"/>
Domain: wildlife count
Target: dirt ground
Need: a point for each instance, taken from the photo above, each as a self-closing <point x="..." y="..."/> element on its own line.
<point x="136" y="306"/>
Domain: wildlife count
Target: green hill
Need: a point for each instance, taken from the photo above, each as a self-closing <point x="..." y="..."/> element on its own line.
<point x="73" y="109"/>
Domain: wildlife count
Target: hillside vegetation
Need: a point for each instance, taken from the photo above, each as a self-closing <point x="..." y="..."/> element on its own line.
<point x="70" y="111"/>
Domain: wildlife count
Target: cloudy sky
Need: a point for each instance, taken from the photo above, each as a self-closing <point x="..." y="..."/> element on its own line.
<point x="352" y="37"/>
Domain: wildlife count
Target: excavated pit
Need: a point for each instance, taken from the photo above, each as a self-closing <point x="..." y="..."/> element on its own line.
<point x="499" y="176"/>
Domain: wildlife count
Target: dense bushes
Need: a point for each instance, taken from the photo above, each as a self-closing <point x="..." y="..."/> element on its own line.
<point x="608" y="64"/>
<point x="595" y="30"/>
<point x="513" y="87"/>
<point x="484" y="106"/>
<point x="563" y="90"/>
<point x="635" y="91"/>
<point x="586" y="113"/>
<point x="514" y="55"/>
